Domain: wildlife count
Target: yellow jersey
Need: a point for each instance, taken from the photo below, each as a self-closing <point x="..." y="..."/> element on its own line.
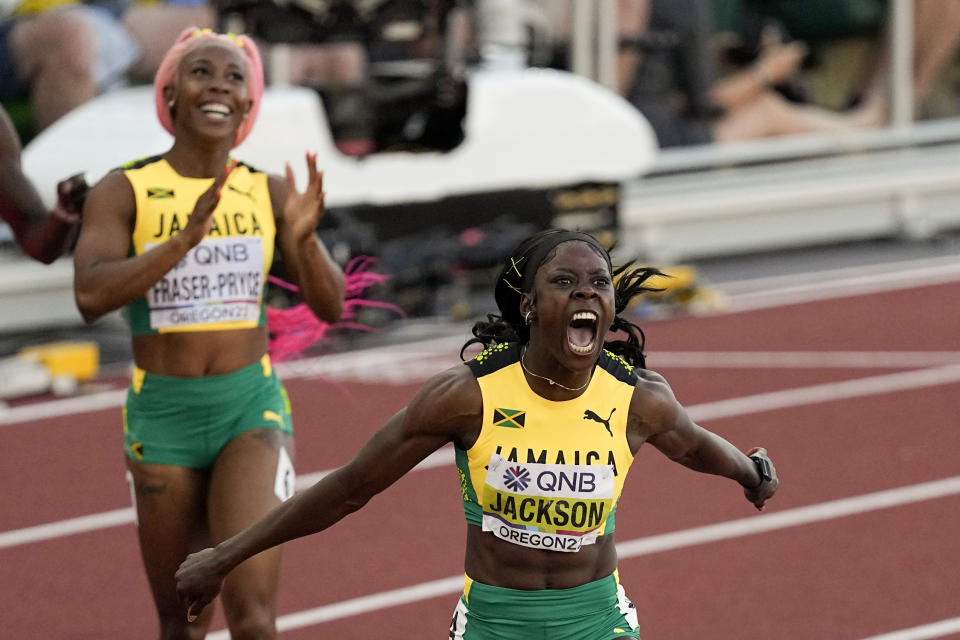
<point x="219" y="284"/>
<point x="546" y="474"/>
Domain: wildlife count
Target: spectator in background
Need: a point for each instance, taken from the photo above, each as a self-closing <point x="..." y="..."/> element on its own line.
<point x="339" y="72"/>
<point x="59" y="55"/>
<point x="153" y="25"/>
<point x="42" y="235"/>
<point x="321" y="46"/>
<point x="390" y="73"/>
<point x="670" y="75"/>
<point x="936" y="40"/>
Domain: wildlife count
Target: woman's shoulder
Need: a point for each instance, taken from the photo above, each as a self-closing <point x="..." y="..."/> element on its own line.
<point x="454" y="384"/>
<point x="493" y="358"/>
<point x="115" y="182"/>
<point x="618" y="367"/>
<point x="451" y="397"/>
<point x="652" y="386"/>
<point x="122" y="175"/>
<point x="140" y="163"/>
<point x="653" y="401"/>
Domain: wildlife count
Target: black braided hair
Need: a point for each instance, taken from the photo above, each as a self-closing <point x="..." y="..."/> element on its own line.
<point x="517" y="276"/>
<point x="630" y="282"/>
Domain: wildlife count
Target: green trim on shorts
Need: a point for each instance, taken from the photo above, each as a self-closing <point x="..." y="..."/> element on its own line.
<point x="188" y="421"/>
<point x="597" y="610"/>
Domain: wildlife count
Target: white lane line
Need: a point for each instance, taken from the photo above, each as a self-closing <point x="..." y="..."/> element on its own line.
<point x="68" y="527"/>
<point x="404" y="362"/>
<point x="416" y="363"/>
<point x="762" y="293"/>
<point x="640" y="547"/>
<point x="117" y="517"/>
<point x="801" y="359"/>
<point x="918" y="269"/>
<point x="816" y="394"/>
<point x="923" y="632"/>
<point x="699" y="412"/>
<point x="791" y="517"/>
<point x="441" y="458"/>
<point x="67" y="406"/>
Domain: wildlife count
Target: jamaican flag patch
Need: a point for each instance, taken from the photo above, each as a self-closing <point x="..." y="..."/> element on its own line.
<point x="511" y="418"/>
<point x="159" y="193"/>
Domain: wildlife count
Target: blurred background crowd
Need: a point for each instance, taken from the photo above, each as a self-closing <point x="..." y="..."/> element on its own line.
<point x="699" y="70"/>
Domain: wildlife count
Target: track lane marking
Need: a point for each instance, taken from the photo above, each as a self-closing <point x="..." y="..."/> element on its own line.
<point x="820" y="393"/>
<point x="923" y="632"/>
<point x="400" y="368"/>
<point x="816" y="394"/>
<point x="126" y="515"/>
<point x="779" y="291"/>
<point x="641" y="547"/>
<point x="802" y="359"/>
<point x="390" y="362"/>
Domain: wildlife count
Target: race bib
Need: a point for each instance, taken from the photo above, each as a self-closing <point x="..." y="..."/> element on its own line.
<point x="558" y="507"/>
<point x="219" y="280"/>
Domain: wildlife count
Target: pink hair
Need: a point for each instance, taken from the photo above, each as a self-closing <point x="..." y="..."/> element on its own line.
<point x="186" y="41"/>
<point x="295" y="329"/>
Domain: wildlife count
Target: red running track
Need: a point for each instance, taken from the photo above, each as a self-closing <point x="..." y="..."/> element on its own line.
<point x="823" y="575"/>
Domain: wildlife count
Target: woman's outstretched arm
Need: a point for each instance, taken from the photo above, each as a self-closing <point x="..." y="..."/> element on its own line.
<point x="656" y="417"/>
<point x="445" y="409"/>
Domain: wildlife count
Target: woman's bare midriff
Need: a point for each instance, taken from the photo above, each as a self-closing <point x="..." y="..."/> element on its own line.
<point x="199" y="353"/>
<point x="503" y="564"/>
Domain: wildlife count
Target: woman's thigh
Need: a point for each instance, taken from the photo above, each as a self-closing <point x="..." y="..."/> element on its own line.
<point x="170" y="504"/>
<point x="252" y="474"/>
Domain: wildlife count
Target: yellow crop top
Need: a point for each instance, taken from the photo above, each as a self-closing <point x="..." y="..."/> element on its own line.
<point x="219" y="284"/>
<point x="546" y="474"/>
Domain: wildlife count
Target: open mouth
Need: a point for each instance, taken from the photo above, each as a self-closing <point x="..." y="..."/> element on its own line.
<point x="582" y="332"/>
<point x="216" y="111"/>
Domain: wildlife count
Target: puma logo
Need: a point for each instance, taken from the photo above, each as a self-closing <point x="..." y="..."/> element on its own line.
<point x="274" y="416"/>
<point x="590" y="415"/>
<point x="248" y="193"/>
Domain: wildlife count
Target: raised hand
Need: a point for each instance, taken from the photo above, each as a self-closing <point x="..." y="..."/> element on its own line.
<point x="201" y="219"/>
<point x="302" y="212"/>
<point x="71" y="194"/>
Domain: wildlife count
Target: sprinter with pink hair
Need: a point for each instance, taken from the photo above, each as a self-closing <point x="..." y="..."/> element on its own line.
<point x="183" y="243"/>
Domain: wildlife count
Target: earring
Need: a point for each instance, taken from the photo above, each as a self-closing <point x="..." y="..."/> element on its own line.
<point x="170" y="103"/>
<point x="526" y="318"/>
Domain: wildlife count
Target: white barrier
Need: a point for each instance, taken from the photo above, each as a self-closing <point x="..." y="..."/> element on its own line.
<point x="810" y="190"/>
<point x="525" y="129"/>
